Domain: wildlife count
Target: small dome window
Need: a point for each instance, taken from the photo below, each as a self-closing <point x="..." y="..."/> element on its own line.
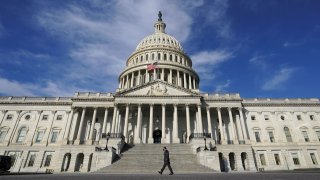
<point x="282" y="117"/>
<point x="27" y="117"/>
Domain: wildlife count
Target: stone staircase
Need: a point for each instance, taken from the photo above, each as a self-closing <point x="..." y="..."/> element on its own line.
<point x="148" y="158"/>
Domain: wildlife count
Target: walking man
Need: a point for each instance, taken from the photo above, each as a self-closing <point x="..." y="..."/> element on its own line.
<point x="166" y="162"/>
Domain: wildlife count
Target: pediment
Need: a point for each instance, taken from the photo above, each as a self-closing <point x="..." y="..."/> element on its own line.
<point x="158" y="88"/>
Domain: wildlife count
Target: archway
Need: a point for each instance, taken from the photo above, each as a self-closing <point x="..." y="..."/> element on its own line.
<point x="79" y="162"/>
<point x="157" y="135"/>
<point x="66" y="162"/>
<point x="222" y="162"/>
<point x="232" y="161"/>
<point x="244" y="160"/>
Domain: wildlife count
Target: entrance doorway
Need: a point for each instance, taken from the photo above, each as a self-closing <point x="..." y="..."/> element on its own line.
<point x="157" y="134"/>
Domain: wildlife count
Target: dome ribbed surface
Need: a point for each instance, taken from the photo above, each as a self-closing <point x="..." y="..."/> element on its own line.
<point x="157" y="40"/>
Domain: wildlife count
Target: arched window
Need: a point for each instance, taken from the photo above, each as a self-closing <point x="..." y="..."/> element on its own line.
<point x="287" y="133"/>
<point x="22" y="135"/>
<point x="3" y="133"/>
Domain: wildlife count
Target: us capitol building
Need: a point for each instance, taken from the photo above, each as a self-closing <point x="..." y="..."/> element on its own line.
<point x="158" y="103"/>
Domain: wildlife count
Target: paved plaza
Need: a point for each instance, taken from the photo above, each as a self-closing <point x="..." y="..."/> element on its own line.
<point x="216" y="176"/>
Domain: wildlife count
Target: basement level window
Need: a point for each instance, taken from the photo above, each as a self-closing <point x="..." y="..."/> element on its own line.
<point x="299" y="117"/>
<point x="312" y="117"/>
<point x="266" y="117"/>
<point x="253" y="118"/>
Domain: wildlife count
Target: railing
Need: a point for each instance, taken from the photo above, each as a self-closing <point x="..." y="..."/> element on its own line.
<point x="112" y="135"/>
<point x="199" y="135"/>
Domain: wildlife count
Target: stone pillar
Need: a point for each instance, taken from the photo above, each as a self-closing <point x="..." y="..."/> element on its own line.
<point x="170" y="77"/>
<point x="233" y="136"/>
<point x="162" y="74"/>
<point x="223" y="140"/>
<point x="188" y="122"/>
<point x="91" y="138"/>
<point x="50" y="129"/>
<point x="243" y="125"/>
<point x="122" y="82"/>
<point x="155" y="74"/>
<point x="77" y="141"/>
<point x="105" y="121"/>
<point x="209" y="121"/>
<point x="139" y="78"/>
<point x="163" y="135"/>
<point x="238" y="162"/>
<point x="137" y="135"/>
<point x="119" y="122"/>
<point x="175" y="137"/>
<point x="132" y="79"/>
<point x="116" y="130"/>
<point x="178" y="78"/>
<point x="126" y="119"/>
<point x="190" y="86"/>
<point x="150" y="138"/>
<point x="200" y="119"/>
<point x="127" y="81"/>
<point x="184" y="80"/>
<point x="113" y="126"/>
<point x="147" y="76"/>
<point x="194" y="83"/>
<point x="240" y="135"/>
<point x="67" y="130"/>
<point x="36" y="128"/>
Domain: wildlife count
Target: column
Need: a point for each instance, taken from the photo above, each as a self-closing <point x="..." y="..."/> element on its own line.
<point x="139" y="78"/>
<point x="116" y="130"/>
<point x="223" y="141"/>
<point x="119" y="122"/>
<point x="200" y="119"/>
<point x="50" y="129"/>
<point x="233" y="136"/>
<point x="113" y="126"/>
<point x="122" y="84"/>
<point x="36" y="128"/>
<point x="132" y="78"/>
<point x="194" y="83"/>
<point x="155" y="74"/>
<point x="67" y="130"/>
<point x="126" y="119"/>
<point x="178" y="78"/>
<point x="150" y="138"/>
<point x="240" y="135"/>
<point x="162" y="74"/>
<point x="170" y="76"/>
<point x="209" y="121"/>
<point x="105" y="121"/>
<point x="127" y="81"/>
<point x="188" y="122"/>
<point x="91" y="138"/>
<point x="184" y="80"/>
<point x="80" y="126"/>
<point x="190" y="86"/>
<point x="147" y="76"/>
<point x="163" y="135"/>
<point x="137" y="139"/>
<point x="245" y="136"/>
<point x="175" y="137"/>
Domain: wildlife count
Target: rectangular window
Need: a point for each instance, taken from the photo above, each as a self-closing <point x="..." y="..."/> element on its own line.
<point x="313" y="158"/>
<point x="253" y="118"/>
<point x="31" y="160"/>
<point x="271" y="137"/>
<point x="262" y="159"/>
<point x="48" y="160"/>
<point x="257" y="135"/>
<point x="299" y="117"/>
<point x="59" y="117"/>
<point x="9" y="117"/>
<point x="295" y="158"/>
<point x="39" y="136"/>
<point x="3" y="134"/>
<point x="318" y="134"/>
<point x="305" y="136"/>
<point x="45" y="117"/>
<point x="266" y="117"/>
<point x="54" y="136"/>
<point x="277" y="159"/>
<point x="311" y="117"/>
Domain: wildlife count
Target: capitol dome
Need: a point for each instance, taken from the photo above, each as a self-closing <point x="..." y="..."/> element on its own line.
<point x="172" y="65"/>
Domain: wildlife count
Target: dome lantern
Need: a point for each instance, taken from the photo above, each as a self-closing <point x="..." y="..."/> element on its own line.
<point x="159" y="26"/>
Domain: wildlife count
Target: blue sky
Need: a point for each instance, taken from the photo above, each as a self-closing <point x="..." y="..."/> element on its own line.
<point x="257" y="48"/>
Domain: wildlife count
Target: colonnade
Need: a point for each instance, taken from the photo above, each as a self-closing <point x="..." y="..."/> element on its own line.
<point x="118" y="124"/>
<point x="176" y="77"/>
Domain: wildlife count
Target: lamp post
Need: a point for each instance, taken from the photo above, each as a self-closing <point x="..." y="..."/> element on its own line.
<point x="205" y="142"/>
<point x="108" y="136"/>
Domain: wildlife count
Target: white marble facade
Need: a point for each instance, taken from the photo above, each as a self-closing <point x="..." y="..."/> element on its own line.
<point x="65" y="134"/>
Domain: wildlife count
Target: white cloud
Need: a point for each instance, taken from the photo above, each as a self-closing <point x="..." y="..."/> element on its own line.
<point x="223" y="87"/>
<point x="205" y="62"/>
<point x="279" y="79"/>
<point x="101" y="40"/>
<point x="290" y="44"/>
<point x="260" y="61"/>
<point x="48" y="88"/>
